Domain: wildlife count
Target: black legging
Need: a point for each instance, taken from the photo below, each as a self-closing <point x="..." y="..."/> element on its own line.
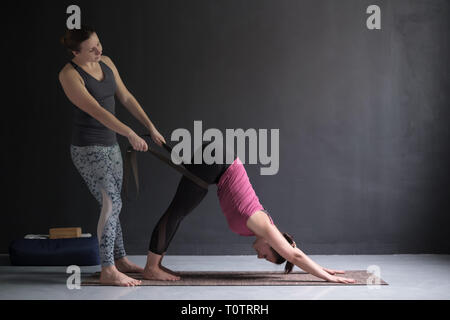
<point x="187" y="198"/>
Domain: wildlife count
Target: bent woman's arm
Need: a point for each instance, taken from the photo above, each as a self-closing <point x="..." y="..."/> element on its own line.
<point x="261" y="226"/>
<point x="294" y="255"/>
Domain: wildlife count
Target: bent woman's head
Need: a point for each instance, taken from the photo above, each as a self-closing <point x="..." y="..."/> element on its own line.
<point x="83" y="43"/>
<point x="265" y="251"/>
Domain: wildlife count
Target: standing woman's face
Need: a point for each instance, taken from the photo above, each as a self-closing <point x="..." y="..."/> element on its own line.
<point x="90" y="50"/>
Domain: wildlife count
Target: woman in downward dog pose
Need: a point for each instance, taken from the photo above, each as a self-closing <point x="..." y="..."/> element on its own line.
<point x="245" y="216"/>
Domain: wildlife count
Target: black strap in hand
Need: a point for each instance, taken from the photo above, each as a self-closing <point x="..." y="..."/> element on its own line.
<point x="131" y="162"/>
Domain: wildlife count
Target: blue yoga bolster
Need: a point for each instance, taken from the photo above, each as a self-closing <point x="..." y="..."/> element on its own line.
<point x="54" y="252"/>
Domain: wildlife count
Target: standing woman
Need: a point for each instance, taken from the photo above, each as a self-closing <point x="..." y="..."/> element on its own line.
<point x="90" y="81"/>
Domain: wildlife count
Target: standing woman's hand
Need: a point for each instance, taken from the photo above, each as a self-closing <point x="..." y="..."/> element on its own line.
<point x="137" y="142"/>
<point x="157" y="137"/>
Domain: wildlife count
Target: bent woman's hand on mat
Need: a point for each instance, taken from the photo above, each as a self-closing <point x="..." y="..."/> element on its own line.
<point x="333" y="272"/>
<point x="137" y="142"/>
<point x="341" y="280"/>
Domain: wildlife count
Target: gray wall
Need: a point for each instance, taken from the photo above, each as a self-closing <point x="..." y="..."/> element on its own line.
<point x="363" y="117"/>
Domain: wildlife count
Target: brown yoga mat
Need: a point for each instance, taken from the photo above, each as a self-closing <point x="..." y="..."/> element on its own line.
<point x="247" y="278"/>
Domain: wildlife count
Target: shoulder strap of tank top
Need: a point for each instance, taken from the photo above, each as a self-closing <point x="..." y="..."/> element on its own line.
<point x="77" y="67"/>
<point x="131" y="163"/>
<point x="74" y="65"/>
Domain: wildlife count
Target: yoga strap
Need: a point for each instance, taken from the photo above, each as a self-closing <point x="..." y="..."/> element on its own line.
<point x="131" y="162"/>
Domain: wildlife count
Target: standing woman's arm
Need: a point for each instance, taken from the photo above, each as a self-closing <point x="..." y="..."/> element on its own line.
<point x="77" y="93"/>
<point x="130" y="102"/>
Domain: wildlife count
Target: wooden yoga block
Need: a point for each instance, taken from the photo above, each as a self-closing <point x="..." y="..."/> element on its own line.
<point x="63" y="233"/>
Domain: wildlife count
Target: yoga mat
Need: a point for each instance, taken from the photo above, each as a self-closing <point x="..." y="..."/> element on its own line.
<point x="247" y="278"/>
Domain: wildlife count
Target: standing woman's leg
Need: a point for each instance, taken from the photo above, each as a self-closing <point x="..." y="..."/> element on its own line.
<point x="121" y="261"/>
<point x="96" y="166"/>
<point x="115" y="158"/>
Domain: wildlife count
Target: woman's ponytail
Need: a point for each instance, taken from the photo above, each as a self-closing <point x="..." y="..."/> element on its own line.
<point x="279" y="259"/>
<point x="289" y="265"/>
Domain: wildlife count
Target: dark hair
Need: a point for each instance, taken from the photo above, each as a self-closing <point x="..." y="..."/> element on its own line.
<point x="279" y="259"/>
<point x="72" y="39"/>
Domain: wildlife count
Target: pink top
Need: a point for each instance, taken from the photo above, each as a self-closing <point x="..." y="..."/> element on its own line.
<point x="237" y="198"/>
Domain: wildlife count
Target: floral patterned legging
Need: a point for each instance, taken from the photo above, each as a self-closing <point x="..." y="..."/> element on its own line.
<point x="101" y="168"/>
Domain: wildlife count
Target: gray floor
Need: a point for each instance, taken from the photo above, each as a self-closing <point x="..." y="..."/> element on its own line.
<point x="409" y="276"/>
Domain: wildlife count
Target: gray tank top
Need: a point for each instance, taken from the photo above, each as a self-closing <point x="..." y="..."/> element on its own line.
<point x="87" y="131"/>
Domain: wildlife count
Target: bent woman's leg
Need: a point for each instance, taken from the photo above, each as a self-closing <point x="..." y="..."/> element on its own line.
<point x="187" y="197"/>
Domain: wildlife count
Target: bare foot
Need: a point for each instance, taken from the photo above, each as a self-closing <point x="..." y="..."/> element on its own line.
<point x="157" y="273"/>
<point x="110" y="275"/>
<point x="168" y="270"/>
<point x="125" y="265"/>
